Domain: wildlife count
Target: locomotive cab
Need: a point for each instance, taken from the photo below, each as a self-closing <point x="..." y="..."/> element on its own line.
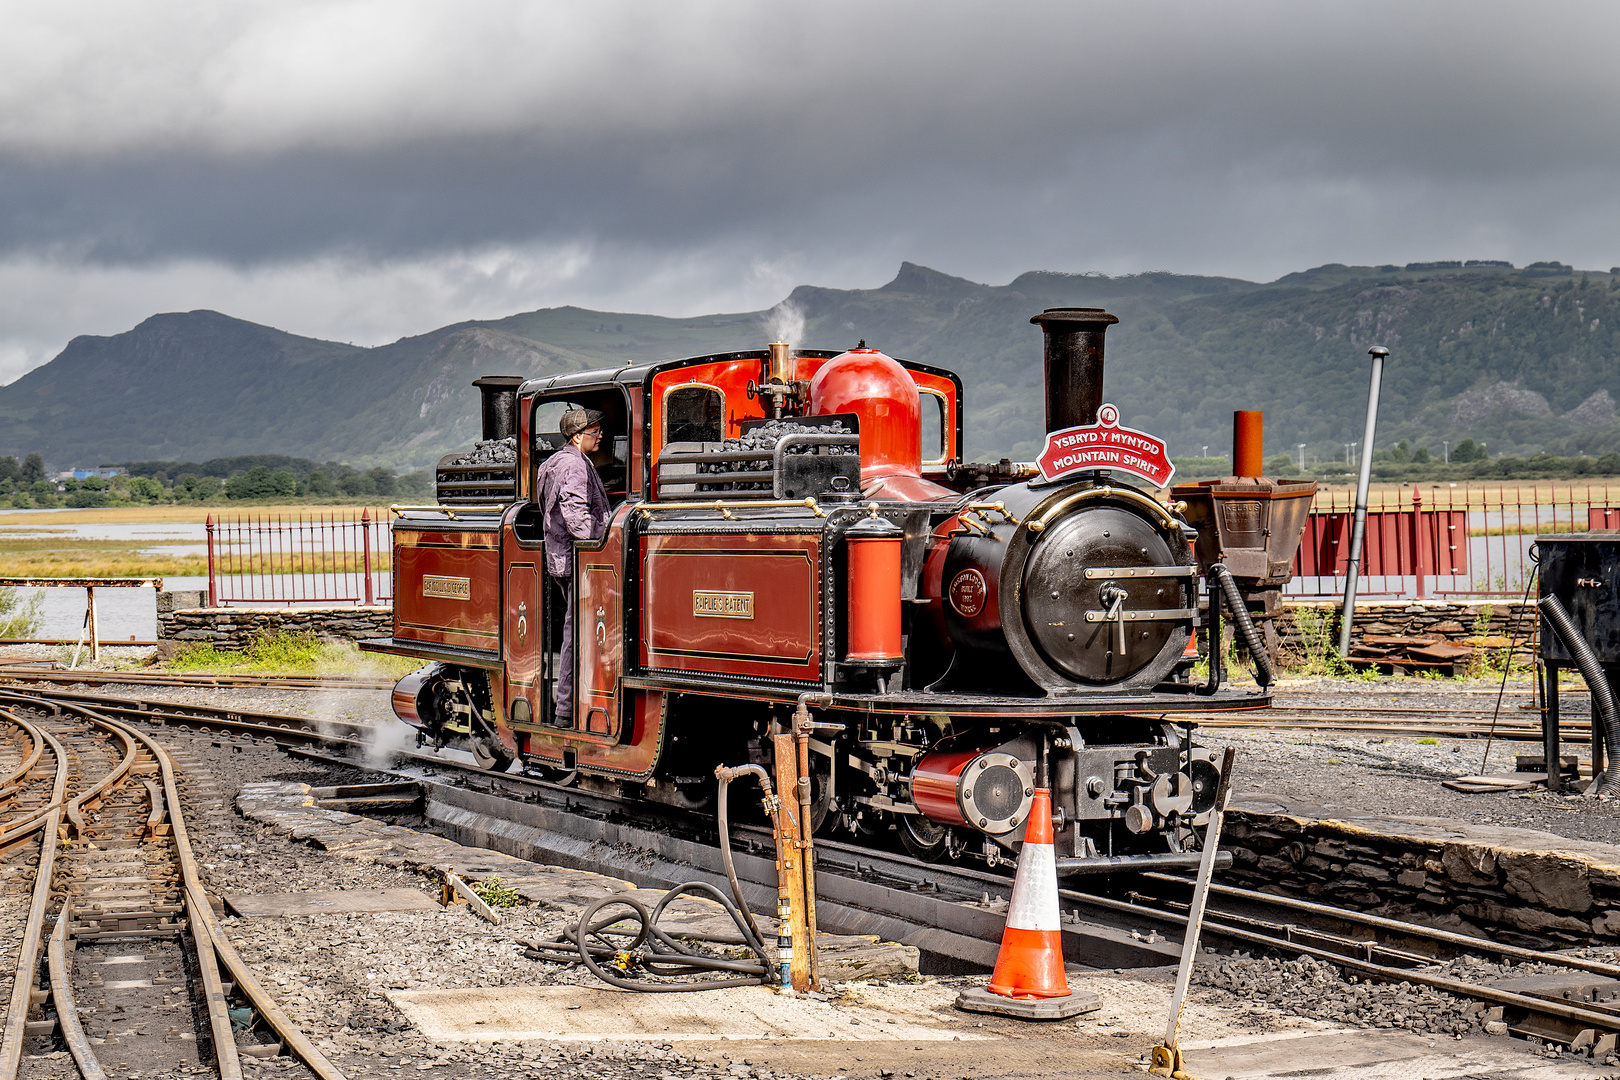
<point x="792" y="532"/>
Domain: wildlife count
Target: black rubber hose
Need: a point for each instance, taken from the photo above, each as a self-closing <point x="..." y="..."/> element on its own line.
<point x="1245" y="625"/>
<point x="1597" y="682"/>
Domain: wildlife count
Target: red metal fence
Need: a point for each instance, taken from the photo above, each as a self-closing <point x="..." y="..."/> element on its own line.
<point x="328" y="558"/>
<point x="1450" y="542"/>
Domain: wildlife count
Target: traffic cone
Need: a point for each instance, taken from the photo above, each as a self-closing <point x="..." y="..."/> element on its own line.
<point x="1028" y="979"/>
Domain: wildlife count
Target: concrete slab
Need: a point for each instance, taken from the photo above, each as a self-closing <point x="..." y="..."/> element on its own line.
<point x="327" y="901"/>
<point x="587" y="1014"/>
<point x="1372" y="1054"/>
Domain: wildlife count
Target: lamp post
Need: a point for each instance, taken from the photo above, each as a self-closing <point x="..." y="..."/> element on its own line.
<point x="1348" y="614"/>
<point x="1205" y="451"/>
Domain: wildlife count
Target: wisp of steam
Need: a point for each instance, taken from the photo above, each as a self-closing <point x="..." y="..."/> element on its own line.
<point x="785" y="322"/>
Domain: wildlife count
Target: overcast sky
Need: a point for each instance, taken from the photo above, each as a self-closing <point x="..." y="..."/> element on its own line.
<point x="366" y="170"/>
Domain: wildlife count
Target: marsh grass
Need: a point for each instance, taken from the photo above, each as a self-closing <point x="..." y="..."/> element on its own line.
<point x="282" y="653"/>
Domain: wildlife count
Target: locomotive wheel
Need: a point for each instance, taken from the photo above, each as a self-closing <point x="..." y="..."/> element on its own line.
<point x="922" y="839"/>
<point x="490" y="753"/>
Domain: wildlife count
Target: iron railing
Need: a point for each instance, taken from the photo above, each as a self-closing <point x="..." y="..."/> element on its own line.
<point x="1443" y="541"/>
<point x="330" y="558"/>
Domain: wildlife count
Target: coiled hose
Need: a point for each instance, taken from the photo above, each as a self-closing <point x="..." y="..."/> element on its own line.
<point x="627" y="939"/>
<point x="1597" y="682"/>
<point x="1263" y="673"/>
<point x="615" y="945"/>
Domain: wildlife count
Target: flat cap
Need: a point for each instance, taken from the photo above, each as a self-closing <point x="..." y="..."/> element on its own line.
<point x="575" y="421"/>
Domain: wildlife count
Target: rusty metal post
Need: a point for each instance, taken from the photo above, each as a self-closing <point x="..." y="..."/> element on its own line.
<point x="790" y="856"/>
<point x="209" y="527"/>
<point x="365" y="546"/>
<point x="1420" y="547"/>
<point x="1248" y="443"/>
<point x="1347" y="615"/>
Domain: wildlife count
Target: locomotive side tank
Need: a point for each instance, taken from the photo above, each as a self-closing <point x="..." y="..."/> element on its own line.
<point x="794" y="533"/>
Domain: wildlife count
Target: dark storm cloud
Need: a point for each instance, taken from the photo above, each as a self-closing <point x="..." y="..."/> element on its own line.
<point x="699" y="156"/>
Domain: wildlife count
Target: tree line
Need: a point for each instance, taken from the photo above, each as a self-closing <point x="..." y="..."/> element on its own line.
<point x="256" y="477"/>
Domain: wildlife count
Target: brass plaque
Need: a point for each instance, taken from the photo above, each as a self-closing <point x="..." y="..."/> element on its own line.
<point x="722" y="605"/>
<point x="446" y="588"/>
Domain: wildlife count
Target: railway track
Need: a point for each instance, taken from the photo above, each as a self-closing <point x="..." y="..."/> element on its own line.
<point x="116" y="954"/>
<point x="30" y="675"/>
<point x="952" y="912"/>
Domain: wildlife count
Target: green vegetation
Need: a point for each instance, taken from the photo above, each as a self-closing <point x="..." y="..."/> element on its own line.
<point x="1428" y="742"/>
<point x="495" y="892"/>
<point x="257" y="478"/>
<point x="282" y="653"/>
<point x="19" y="618"/>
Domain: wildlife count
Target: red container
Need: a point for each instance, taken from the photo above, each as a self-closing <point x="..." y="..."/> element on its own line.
<point x="874" y="592"/>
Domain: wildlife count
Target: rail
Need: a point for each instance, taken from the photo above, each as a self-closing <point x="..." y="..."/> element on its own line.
<point x="119" y="798"/>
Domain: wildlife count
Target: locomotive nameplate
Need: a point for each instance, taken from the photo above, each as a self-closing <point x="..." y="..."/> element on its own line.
<point x="710" y="604"/>
<point x="1105" y="445"/>
<point x="447" y="588"/>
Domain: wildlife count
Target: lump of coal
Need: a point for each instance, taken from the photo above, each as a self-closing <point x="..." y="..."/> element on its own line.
<point x="493" y="452"/>
<point x="764" y="439"/>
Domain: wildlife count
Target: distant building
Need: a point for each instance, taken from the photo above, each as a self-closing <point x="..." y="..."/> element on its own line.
<point x="106" y="472"/>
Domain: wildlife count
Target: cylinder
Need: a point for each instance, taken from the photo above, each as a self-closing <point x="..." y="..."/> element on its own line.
<point x="1248" y="442"/>
<point x="1074" y="364"/>
<point x="500" y="405"/>
<point x="781" y="363"/>
<point x="874" y="592"/>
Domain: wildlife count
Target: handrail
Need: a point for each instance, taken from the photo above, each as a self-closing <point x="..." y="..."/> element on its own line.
<point x="726" y="508"/>
<point x="450" y="512"/>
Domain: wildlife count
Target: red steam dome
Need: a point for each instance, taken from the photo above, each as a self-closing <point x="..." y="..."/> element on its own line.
<point x="884" y="398"/>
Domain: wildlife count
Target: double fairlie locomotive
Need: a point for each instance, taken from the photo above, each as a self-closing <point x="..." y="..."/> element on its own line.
<point x="793" y="534"/>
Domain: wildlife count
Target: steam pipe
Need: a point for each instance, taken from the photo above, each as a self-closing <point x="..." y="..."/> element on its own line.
<point x="1074" y="364"/>
<point x="1245" y="625"/>
<point x="1597" y="681"/>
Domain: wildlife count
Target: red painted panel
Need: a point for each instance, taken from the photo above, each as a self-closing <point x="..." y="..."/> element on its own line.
<point x="738" y="605"/>
<point x="1386" y="546"/>
<point x="599" y="626"/>
<point x="634" y="757"/>
<point x="447" y="588"/>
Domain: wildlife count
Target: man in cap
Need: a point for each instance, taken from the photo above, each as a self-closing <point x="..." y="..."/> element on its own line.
<point x="574" y="505"/>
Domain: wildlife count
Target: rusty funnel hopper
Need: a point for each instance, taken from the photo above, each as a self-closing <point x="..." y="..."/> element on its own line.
<point x="1250" y="522"/>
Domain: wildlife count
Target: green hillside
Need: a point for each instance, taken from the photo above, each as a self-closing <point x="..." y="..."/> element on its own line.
<point x="1525" y="360"/>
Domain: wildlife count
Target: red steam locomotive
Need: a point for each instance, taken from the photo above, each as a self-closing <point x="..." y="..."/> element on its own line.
<point x="793" y="529"/>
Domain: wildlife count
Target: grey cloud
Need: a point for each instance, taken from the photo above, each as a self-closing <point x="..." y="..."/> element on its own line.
<point x="689" y="157"/>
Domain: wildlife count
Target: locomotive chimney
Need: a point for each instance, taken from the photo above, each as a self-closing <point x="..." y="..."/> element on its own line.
<point x="500" y="405"/>
<point x="1248" y="443"/>
<point x="1074" y="364"/>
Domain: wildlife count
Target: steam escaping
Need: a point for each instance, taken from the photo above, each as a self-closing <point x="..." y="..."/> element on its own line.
<point x="785" y="322"/>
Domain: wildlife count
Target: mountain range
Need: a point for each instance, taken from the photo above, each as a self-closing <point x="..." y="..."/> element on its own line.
<point x="1525" y="360"/>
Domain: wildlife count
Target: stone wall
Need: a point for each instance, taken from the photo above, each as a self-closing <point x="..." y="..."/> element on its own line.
<point x="234" y="627"/>
<point x="1517" y="886"/>
<point x="1499" y="622"/>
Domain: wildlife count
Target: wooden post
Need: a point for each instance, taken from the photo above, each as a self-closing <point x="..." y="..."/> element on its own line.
<point x="95" y="638"/>
<point x="790" y="847"/>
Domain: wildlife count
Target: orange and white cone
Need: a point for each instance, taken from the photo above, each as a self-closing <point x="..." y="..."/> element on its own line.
<point x="1030" y="963"/>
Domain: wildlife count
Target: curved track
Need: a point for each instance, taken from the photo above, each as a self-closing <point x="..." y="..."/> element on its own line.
<point x="892" y="894"/>
<point x="137" y="975"/>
